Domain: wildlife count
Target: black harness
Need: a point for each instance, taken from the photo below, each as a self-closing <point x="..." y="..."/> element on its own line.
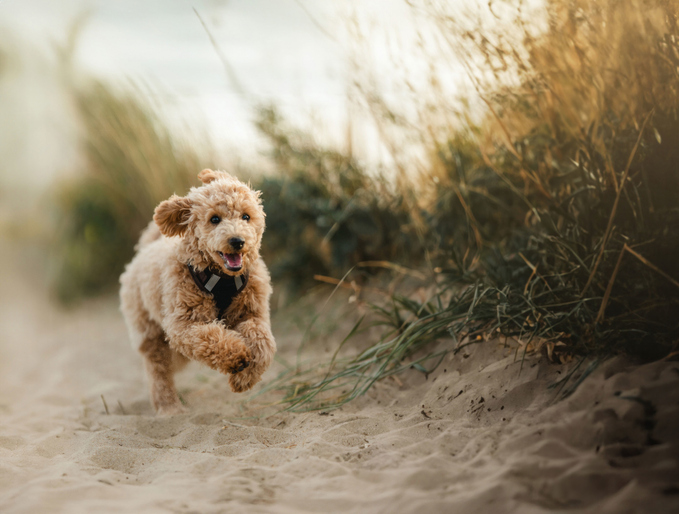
<point x="222" y="288"/>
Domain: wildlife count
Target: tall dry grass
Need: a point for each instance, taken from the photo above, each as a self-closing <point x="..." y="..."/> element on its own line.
<point x="132" y="161"/>
<point x="554" y="216"/>
<point x="581" y="126"/>
<point x="548" y="214"/>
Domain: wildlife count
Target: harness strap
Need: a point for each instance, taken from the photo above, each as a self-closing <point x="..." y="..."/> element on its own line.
<point x="222" y="288"/>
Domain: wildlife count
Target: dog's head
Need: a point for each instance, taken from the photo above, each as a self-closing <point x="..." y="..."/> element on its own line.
<point x="222" y="222"/>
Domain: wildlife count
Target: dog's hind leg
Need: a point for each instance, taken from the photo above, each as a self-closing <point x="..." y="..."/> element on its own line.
<point x="160" y="367"/>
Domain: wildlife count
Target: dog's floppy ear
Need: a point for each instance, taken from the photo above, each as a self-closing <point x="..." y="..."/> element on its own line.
<point x="172" y="215"/>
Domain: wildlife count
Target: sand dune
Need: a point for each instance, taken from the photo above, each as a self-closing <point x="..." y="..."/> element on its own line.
<point x="481" y="434"/>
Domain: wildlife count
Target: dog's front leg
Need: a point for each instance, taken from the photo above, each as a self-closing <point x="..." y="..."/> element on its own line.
<point x="209" y="343"/>
<point x="259" y="339"/>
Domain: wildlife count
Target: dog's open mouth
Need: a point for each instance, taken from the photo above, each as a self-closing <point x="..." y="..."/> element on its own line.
<point x="233" y="261"/>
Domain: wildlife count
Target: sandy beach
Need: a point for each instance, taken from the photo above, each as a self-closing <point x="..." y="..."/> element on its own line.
<point x="482" y="434"/>
<point x="523" y="154"/>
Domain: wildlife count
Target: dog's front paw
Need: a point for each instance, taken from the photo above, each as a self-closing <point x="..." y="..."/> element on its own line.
<point x="236" y="360"/>
<point x="240" y="364"/>
<point x="241" y="382"/>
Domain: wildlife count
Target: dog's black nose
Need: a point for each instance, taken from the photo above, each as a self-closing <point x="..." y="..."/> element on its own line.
<point x="236" y="243"/>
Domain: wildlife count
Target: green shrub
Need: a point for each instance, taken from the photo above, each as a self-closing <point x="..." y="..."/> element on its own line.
<point x="325" y="213"/>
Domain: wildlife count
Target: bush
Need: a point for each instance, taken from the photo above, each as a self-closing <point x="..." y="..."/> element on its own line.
<point x="325" y="213"/>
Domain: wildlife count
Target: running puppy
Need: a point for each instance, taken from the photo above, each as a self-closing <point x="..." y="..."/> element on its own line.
<point x="198" y="289"/>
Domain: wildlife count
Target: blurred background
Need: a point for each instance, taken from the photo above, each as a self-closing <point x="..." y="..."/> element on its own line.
<point x="525" y="150"/>
<point x="108" y="108"/>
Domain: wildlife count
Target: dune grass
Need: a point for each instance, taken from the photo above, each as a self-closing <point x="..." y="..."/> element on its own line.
<point x="551" y="220"/>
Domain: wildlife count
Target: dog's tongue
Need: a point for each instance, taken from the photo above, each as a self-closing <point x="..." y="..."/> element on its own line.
<point x="233" y="260"/>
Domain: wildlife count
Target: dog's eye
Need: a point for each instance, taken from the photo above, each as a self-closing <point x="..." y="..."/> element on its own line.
<point x="246" y="217"/>
<point x="215" y="219"/>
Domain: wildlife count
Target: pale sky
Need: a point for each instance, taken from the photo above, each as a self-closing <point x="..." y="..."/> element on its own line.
<point x="276" y="50"/>
<point x="293" y="53"/>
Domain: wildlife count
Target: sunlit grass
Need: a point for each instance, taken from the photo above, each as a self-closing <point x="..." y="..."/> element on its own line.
<point x="551" y="220"/>
<point x="554" y="220"/>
